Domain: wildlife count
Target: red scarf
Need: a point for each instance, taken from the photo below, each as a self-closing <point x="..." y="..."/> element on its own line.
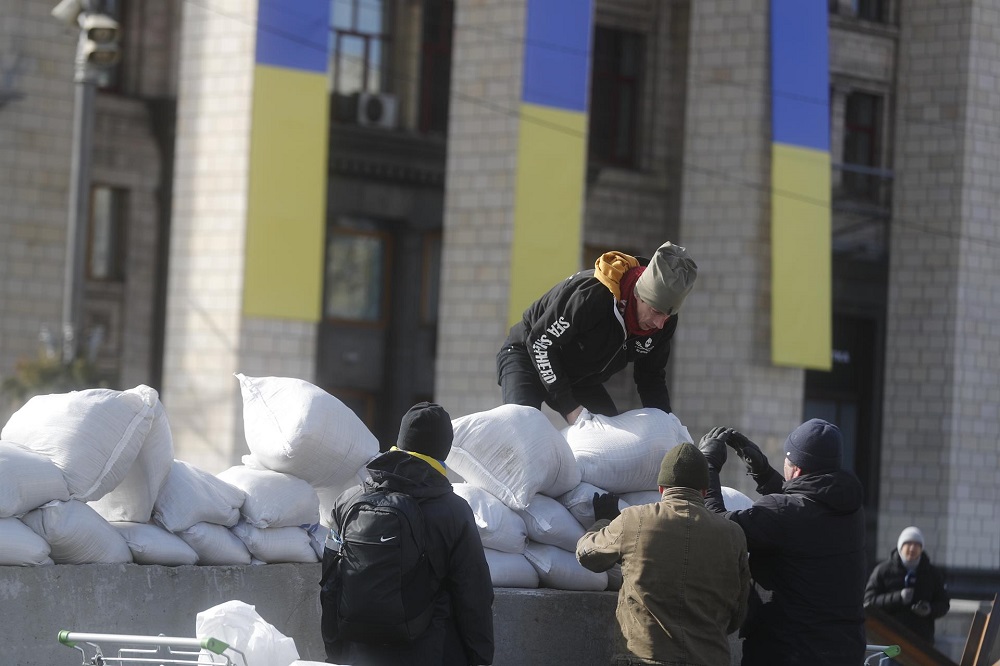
<point x="627" y="286"/>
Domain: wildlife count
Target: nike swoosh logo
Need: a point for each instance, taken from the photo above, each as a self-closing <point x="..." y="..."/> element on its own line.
<point x="384" y="539"/>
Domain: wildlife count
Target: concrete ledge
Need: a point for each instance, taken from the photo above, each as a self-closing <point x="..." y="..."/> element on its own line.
<point x="531" y="626"/>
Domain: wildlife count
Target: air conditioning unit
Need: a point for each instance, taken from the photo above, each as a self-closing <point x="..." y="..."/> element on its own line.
<point x="377" y="110"/>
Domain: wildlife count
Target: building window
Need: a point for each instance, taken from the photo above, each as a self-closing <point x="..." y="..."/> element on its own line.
<point x="356" y="285"/>
<point x="106" y="235"/>
<point x="870" y="10"/>
<point x="616" y="73"/>
<point x="430" y="287"/>
<point x="435" y="75"/>
<point x="359" y="33"/>
<point x="862" y="135"/>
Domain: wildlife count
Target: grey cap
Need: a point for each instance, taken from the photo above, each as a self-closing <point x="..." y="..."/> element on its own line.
<point x="668" y="278"/>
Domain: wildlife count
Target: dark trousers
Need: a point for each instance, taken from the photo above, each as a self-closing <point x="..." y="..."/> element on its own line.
<point x="520" y="384"/>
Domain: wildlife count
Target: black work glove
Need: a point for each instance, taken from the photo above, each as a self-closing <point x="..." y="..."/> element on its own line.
<point x="713" y="446"/>
<point x="749" y="452"/>
<point x="921" y="608"/>
<point x="606" y="506"/>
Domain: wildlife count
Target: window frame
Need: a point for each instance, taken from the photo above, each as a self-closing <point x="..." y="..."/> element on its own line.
<point x="629" y="158"/>
<point x="385" y="297"/>
<point x="384" y="38"/>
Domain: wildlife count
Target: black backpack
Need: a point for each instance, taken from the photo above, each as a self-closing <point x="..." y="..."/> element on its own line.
<point x="378" y="587"/>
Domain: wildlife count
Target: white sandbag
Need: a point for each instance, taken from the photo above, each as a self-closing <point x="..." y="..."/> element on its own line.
<point x="559" y="569"/>
<point x="133" y="499"/>
<point x="580" y="503"/>
<point x="550" y="522"/>
<point x="640" y="497"/>
<point x="191" y="495"/>
<point x="274" y="499"/>
<point x="623" y="453"/>
<point x="510" y="569"/>
<point x="93" y="435"/>
<point x="500" y="527"/>
<point x="27" y="480"/>
<point x="735" y="500"/>
<point x="20" y="546"/>
<point x="511" y="451"/>
<point x="215" y="545"/>
<point x="276" y="544"/>
<point x="151" y="544"/>
<point x="328" y="494"/>
<point x="294" y="427"/>
<point x="238" y="624"/>
<point x="76" y="534"/>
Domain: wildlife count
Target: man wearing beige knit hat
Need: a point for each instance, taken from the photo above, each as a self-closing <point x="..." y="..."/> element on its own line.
<point x="685" y="575"/>
<point x="592" y="325"/>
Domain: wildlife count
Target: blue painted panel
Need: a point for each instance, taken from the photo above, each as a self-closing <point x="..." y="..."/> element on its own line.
<point x="800" y="73"/>
<point x="294" y="35"/>
<point x="557" y="53"/>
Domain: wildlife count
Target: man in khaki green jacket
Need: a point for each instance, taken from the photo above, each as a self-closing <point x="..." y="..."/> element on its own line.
<point x="685" y="575"/>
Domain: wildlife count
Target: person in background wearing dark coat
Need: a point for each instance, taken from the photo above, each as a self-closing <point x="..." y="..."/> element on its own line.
<point x="461" y="627"/>
<point x="592" y="325"/>
<point x="684" y="569"/>
<point x="806" y="538"/>
<point x="908" y="587"/>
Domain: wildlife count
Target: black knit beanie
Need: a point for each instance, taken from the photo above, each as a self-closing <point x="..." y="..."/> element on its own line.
<point x="815" y="446"/>
<point x="684" y="465"/>
<point x="426" y="428"/>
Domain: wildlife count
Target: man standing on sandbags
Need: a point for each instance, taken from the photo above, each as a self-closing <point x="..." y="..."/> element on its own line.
<point x="684" y="569"/>
<point x="591" y="325"/>
<point x="405" y="579"/>
<point x="806" y="537"/>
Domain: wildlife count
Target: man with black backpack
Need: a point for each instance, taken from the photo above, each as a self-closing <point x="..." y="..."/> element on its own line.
<point x="405" y="578"/>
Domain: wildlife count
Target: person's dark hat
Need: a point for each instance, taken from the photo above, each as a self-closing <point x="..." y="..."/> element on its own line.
<point x="684" y="465"/>
<point x="426" y="428"/>
<point x="815" y="446"/>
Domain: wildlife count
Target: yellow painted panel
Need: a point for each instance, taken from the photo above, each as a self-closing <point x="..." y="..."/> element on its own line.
<point x="548" y="205"/>
<point x="286" y="216"/>
<point x="800" y="258"/>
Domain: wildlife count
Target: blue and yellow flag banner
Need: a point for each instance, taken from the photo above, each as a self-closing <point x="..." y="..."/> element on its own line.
<point x="801" y="300"/>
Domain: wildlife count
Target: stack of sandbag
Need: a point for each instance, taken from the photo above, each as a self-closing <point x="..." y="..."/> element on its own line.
<point x="92" y="437"/>
<point x="299" y="429"/>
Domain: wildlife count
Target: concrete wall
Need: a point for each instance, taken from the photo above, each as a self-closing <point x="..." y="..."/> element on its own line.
<point x="531" y="626"/>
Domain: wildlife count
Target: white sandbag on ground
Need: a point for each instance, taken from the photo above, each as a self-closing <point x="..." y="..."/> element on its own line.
<point x="93" y="436"/>
<point x="512" y="452"/>
<point x="215" y="544"/>
<point x="735" y="500"/>
<point x="510" y="569"/>
<point x="191" y="495"/>
<point x="559" y="569"/>
<point x="151" y="544"/>
<point x="550" y="522"/>
<point x="27" y="480"/>
<point x="295" y="427"/>
<point x="276" y="544"/>
<point x="500" y="527"/>
<point x="77" y="535"/>
<point x="623" y="453"/>
<point x="132" y="500"/>
<point x="580" y="503"/>
<point x="20" y="546"/>
<point x="274" y="499"/>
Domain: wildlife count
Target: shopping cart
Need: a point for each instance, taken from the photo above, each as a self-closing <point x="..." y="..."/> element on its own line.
<point x="152" y="649"/>
<point x="884" y="654"/>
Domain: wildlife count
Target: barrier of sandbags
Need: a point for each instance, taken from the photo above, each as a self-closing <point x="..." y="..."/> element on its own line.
<point x="551" y="523"/>
<point x="20" y="546"/>
<point x="151" y="544"/>
<point x="76" y="534"/>
<point x="513" y="452"/>
<point x="580" y="502"/>
<point x="500" y="527"/>
<point x="191" y="495"/>
<point x="93" y="435"/>
<point x="623" y="453"/>
<point x="132" y="500"/>
<point x="510" y="569"/>
<point x="559" y="569"/>
<point x="27" y="480"/>
<point x="215" y="544"/>
<point x="276" y="544"/>
<point x="273" y="499"/>
<point x="295" y="427"/>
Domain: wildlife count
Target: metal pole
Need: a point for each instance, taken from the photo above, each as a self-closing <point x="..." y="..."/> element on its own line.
<point x="79" y="203"/>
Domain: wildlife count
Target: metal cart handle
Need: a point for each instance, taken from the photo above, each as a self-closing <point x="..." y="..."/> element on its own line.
<point x="214" y="645"/>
